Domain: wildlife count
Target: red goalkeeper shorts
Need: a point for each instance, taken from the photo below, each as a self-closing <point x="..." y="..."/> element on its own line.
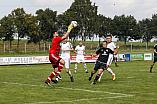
<point x="54" y="59"/>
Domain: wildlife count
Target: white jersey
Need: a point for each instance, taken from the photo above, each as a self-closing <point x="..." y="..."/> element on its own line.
<point x="80" y="50"/>
<point x="66" y="46"/>
<point x="112" y="46"/>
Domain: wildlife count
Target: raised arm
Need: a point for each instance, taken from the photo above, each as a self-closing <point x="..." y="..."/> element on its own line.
<point x="70" y="27"/>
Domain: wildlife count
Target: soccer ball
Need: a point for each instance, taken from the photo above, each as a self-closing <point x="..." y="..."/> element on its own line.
<point x="74" y="23"/>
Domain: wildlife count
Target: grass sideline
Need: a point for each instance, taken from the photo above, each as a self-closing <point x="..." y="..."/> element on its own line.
<point x="24" y="84"/>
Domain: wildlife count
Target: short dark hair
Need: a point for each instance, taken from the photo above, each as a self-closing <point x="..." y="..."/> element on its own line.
<point x="53" y="32"/>
<point x="109" y="36"/>
<point x="105" y="41"/>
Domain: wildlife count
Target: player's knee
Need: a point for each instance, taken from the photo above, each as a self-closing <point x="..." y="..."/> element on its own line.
<point x="62" y="61"/>
<point x="67" y="70"/>
<point x="100" y="71"/>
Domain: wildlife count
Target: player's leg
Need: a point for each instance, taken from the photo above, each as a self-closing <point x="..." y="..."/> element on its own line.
<point x="115" y="61"/>
<point x="100" y="77"/>
<point x="96" y="67"/>
<point x="97" y="76"/>
<point x="154" y="60"/>
<point x="60" y="67"/>
<point x="151" y="67"/>
<point x="85" y="67"/>
<point x="53" y="60"/>
<point x="67" y="66"/>
<point x="76" y="64"/>
<point x="111" y="72"/>
<point x="51" y="76"/>
<point x="110" y="59"/>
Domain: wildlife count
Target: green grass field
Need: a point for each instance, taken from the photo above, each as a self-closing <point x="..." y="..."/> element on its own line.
<point x="24" y="84"/>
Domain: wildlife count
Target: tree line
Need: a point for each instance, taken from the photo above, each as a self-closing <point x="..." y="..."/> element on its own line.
<point x="38" y="27"/>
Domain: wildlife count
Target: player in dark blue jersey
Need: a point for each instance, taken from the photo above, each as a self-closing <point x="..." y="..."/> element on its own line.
<point x="155" y="57"/>
<point x="101" y="62"/>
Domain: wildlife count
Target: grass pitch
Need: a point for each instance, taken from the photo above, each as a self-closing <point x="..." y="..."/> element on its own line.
<point x="24" y="84"/>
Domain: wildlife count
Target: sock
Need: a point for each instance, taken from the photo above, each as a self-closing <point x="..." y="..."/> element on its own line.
<point x="75" y="66"/>
<point x="101" y="75"/>
<point x="92" y="74"/>
<point x="58" y="73"/>
<point x="60" y="68"/>
<point x="115" y="63"/>
<point x="69" y="73"/>
<point x="110" y="71"/>
<point x="97" y="77"/>
<point x="151" y="67"/>
<point x="85" y="66"/>
<point x="51" y="76"/>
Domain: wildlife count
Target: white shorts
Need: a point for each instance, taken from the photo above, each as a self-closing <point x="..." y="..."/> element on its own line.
<point x="67" y="62"/>
<point x="79" y="59"/>
<point x="110" y="59"/>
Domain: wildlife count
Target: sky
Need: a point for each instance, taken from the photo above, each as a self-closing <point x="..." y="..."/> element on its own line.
<point x="140" y="9"/>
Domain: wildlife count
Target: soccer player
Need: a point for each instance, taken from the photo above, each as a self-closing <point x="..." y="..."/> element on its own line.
<point x="80" y="51"/>
<point x="54" y="58"/>
<point x="65" y="55"/>
<point x="155" y="57"/>
<point x="101" y="62"/>
<point x="111" y="45"/>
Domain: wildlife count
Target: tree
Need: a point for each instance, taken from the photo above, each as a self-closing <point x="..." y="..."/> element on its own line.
<point x="7" y="24"/>
<point x="86" y="13"/>
<point x="47" y="22"/>
<point x="2" y="31"/>
<point x="127" y="28"/>
<point x="63" y="21"/>
<point x="33" y="29"/>
<point x="146" y="29"/>
<point x="19" y="23"/>
<point x="154" y="25"/>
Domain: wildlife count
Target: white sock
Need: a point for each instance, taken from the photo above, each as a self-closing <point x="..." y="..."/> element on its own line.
<point x="110" y="71"/>
<point x="70" y="73"/>
<point x="85" y="66"/>
<point x="101" y="75"/>
<point x="75" y="66"/>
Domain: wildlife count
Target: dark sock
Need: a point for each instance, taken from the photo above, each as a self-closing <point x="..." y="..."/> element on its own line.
<point x="92" y="74"/>
<point x="97" y="77"/>
<point x="151" y="67"/>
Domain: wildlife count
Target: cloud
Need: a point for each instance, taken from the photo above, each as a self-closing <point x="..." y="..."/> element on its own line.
<point x="138" y="8"/>
<point x="52" y="2"/>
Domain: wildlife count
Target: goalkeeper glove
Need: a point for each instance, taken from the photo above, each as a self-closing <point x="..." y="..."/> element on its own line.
<point x="70" y="27"/>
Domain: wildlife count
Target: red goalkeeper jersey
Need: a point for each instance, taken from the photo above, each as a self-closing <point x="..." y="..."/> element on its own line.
<point x="55" y="48"/>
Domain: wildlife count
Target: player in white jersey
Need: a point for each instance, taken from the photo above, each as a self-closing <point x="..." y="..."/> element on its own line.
<point x="66" y="47"/>
<point x="80" y="51"/>
<point x="112" y="46"/>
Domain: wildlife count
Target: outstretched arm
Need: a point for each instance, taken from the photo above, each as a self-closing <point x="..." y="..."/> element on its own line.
<point x="70" y="27"/>
<point x="93" y="55"/>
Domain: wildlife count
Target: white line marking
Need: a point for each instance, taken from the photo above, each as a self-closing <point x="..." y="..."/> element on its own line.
<point x="120" y="94"/>
<point x="129" y="77"/>
<point x="144" y="70"/>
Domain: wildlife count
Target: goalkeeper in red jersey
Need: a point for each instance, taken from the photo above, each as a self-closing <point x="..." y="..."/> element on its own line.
<point x="54" y="58"/>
